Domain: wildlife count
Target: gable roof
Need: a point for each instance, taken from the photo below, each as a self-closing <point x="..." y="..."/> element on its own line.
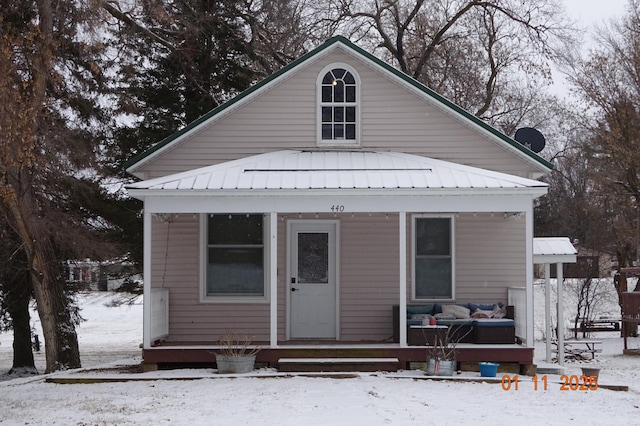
<point x="357" y="170"/>
<point x="553" y="250"/>
<point x="335" y="42"/>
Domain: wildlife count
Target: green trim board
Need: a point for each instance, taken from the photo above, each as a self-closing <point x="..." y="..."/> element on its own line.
<point x="338" y="39"/>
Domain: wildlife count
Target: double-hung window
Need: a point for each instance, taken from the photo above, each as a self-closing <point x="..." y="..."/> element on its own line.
<point x="433" y="258"/>
<point x="338" y="108"/>
<point x="235" y="257"/>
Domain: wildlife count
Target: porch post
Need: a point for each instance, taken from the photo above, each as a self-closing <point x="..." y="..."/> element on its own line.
<point x="529" y="341"/>
<point x="273" y="279"/>
<point x="146" y="278"/>
<point x="560" y="279"/>
<point x="402" y="222"/>
<point x="548" y="328"/>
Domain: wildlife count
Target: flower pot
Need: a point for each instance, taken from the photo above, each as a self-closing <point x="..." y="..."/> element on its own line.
<point x="440" y="367"/>
<point x="235" y="364"/>
<point x="488" y="369"/>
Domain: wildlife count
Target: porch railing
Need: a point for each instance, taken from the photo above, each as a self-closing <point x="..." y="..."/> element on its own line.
<point x="159" y="313"/>
<point x="517" y="296"/>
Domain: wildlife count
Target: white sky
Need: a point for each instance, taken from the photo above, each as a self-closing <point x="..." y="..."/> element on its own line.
<point x="588" y="13"/>
<point x="592" y="12"/>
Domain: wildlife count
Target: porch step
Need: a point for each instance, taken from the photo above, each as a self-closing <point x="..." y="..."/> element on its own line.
<point x="337" y="364"/>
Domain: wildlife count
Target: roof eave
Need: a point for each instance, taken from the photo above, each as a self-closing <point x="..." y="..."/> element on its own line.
<point x="533" y="192"/>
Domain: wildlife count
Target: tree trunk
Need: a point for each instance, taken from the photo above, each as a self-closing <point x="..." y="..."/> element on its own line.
<point x="18" y="309"/>
<point x="60" y="339"/>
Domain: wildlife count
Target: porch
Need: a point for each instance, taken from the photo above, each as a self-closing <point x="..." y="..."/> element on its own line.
<point x="368" y="213"/>
<point x="518" y="358"/>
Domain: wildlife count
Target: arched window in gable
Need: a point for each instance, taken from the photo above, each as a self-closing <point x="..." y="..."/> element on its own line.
<point x="338" y="108"/>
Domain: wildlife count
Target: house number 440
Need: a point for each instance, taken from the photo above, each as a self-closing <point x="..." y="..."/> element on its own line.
<point x="337" y="208"/>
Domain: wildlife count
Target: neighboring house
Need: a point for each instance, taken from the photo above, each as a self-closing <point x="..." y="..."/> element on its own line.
<point x="84" y="274"/>
<point x="304" y="208"/>
<point x="90" y="274"/>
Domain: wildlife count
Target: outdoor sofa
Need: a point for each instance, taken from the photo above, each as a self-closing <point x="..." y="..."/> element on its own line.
<point x="465" y="323"/>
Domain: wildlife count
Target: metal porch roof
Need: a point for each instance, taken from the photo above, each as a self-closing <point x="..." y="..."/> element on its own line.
<point x="299" y="170"/>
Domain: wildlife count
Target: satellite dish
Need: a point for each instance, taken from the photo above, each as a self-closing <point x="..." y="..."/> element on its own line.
<point x="531" y="138"/>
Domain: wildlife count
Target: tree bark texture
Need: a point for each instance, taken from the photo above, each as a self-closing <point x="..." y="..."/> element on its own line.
<point x="19" y="296"/>
<point x="20" y="160"/>
<point x="60" y="338"/>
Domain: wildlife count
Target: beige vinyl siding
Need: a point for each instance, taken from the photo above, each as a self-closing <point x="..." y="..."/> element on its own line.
<point x="190" y="320"/>
<point x="490" y="257"/>
<point x="369" y="283"/>
<point x="285" y="118"/>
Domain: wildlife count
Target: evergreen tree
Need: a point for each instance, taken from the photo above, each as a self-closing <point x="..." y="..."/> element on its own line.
<point x="51" y="124"/>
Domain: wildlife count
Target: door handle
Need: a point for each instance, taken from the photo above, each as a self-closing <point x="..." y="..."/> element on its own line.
<point x="294" y="289"/>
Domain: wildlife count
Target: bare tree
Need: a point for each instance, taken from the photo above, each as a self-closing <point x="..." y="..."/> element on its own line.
<point x="490" y="57"/>
<point x="607" y="81"/>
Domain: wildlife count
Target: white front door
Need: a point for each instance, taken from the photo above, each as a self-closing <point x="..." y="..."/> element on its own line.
<point x="312" y="279"/>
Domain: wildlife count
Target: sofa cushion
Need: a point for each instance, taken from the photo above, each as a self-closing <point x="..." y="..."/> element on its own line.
<point x="491" y="322"/>
<point x="455" y="322"/>
<point x="458" y="311"/>
<point x="483" y="306"/>
<point x="479" y="313"/>
<point x="419" y="309"/>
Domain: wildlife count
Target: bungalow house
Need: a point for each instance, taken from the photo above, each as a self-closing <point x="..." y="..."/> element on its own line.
<point x="307" y="207"/>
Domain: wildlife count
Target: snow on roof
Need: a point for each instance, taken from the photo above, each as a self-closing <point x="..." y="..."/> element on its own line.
<point x="292" y="169"/>
<point x="553" y="250"/>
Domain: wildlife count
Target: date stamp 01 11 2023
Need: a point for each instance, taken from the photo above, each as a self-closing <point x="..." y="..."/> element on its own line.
<point x="567" y="383"/>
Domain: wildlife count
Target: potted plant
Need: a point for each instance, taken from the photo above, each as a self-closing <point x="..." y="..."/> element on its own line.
<point x="237" y="354"/>
<point x="441" y="356"/>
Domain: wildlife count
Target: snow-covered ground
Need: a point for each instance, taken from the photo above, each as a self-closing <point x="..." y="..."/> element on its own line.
<point x="108" y="333"/>
<point x="111" y="336"/>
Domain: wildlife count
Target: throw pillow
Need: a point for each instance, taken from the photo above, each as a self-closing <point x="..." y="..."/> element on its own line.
<point x="499" y="312"/>
<point x="479" y="313"/>
<point x="457" y="311"/>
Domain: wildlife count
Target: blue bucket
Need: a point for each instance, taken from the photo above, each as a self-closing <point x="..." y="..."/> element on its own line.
<point x="488" y="369"/>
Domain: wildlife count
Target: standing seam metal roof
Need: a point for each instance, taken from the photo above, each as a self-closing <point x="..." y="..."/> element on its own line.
<point x="292" y="169"/>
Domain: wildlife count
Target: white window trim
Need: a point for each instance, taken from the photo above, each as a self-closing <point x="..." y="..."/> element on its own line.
<point x="338" y="142"/>
<point x="414" y="219"/>
<point x="204" y="298"/>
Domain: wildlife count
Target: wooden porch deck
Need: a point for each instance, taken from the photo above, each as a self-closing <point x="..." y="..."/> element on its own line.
<point x="174" y="355"/>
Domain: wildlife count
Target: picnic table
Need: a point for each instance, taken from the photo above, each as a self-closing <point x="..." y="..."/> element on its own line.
<point x="580" y="349"/>
<point x="600" y="324"/>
